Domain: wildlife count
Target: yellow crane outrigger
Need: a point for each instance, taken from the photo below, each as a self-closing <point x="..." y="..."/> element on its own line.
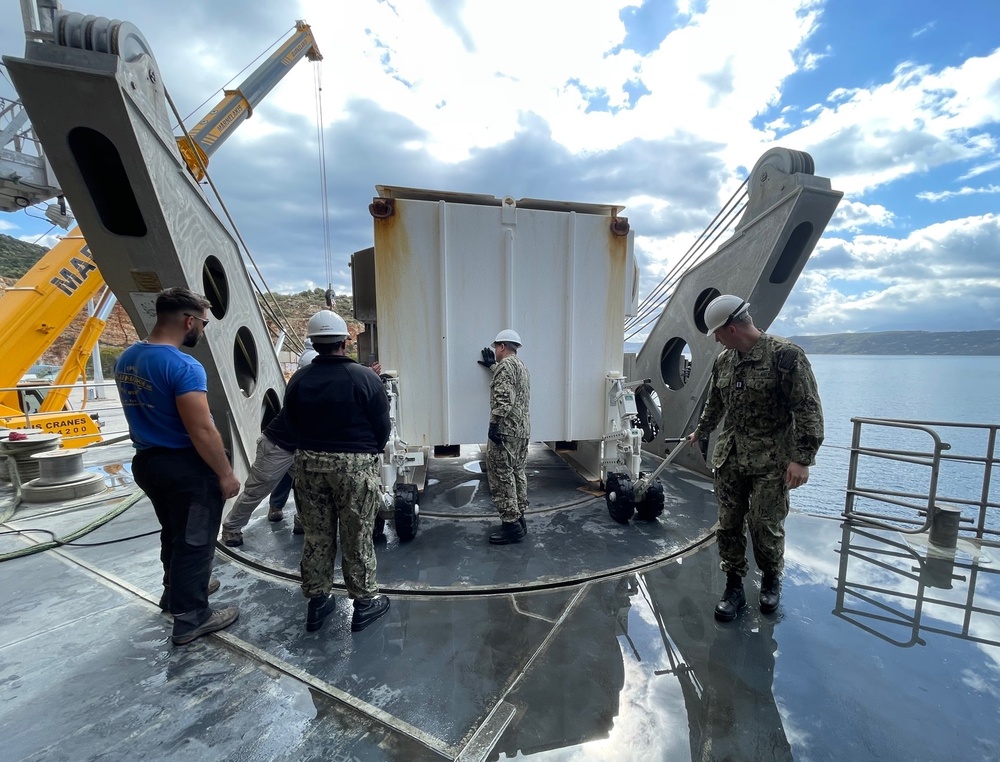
<point x="43" y="303"/>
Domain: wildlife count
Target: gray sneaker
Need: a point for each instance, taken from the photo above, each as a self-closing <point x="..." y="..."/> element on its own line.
<point x="220" y="619"/>
<point x="232" y="537"/>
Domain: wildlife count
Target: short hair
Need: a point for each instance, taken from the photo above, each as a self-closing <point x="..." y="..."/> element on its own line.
<point x="327" y="348"/>
<point x="180" y="299"/>
<point x="742" y="319"/>
<point x="510" y="345"/>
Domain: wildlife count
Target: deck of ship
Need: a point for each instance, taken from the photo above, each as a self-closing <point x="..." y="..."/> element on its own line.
<point x="589" y="640"/>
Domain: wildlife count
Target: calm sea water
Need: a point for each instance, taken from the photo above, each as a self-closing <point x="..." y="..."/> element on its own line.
<point x="924" y="388"/>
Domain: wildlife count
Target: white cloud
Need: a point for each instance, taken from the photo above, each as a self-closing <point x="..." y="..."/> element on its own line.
<point x="855" y="215"/>
<point x="939" y="278"/>
<point x="920" y="119"/>
<point x="467" y="90"/>
<point x="966" y="191"/>
<point x="980" y="169"/>
<point x="48" y="241"/>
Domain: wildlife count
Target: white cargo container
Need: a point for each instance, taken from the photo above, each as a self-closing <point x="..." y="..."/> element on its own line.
<point x="452" y="270"/>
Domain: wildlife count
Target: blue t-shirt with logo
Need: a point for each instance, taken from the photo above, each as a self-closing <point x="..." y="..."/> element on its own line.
<point x="149" y="378"/>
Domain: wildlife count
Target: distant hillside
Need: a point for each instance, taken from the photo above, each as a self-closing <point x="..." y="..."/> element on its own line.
<point x="983" y="343"/>
<point x="903" y="343"/>
<point x="17" y="257"/>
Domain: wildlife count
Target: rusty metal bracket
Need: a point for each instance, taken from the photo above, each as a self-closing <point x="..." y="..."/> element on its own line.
<point x="381" y="208"/>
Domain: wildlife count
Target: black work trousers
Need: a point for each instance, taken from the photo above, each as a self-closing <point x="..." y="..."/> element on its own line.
<point x="188" y="502"/>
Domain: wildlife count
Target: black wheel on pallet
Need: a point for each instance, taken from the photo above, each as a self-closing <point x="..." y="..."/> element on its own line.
<point x="651" y="505"/>
<point x="407" y="515"/>
<point x="618" y="493"/>
<point x="379" y="531"/>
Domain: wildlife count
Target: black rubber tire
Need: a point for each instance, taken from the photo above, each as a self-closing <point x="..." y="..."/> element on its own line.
<point x="618" y="494"/>
<point x="407" y="517"/>
<point x="652" y="504"/>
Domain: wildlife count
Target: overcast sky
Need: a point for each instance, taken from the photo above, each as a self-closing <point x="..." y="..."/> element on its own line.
<point x="660" y="106"/>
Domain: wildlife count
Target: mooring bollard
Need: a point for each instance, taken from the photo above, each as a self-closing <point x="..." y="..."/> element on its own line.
<point x="944" y="526"/>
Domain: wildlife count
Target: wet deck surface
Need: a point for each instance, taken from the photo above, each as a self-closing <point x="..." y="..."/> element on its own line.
<point x="596" y="648"/>
<point x="571" y="537"/>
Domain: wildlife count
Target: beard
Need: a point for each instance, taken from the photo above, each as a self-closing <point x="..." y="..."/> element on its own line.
<point x="191" y="338"/>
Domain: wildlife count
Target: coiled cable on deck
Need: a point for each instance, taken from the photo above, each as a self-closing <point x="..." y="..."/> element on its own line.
<point x="118" y="510"/>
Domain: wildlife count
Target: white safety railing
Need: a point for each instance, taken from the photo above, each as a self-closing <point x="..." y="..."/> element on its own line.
<point x="957" y="484"/>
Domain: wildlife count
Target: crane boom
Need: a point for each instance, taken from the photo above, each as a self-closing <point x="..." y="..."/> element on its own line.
<point x="237" y="105"/>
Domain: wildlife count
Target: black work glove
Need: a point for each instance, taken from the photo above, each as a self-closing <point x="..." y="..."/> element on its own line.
<point x="489" y="358"/>
<point x="494" y="434"/>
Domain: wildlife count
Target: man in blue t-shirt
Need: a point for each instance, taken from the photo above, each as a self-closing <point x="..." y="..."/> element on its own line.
<point x="180" y="462"/>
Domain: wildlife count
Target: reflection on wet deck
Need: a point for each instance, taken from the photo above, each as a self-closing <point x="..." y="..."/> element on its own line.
<point x="595" y="665"/>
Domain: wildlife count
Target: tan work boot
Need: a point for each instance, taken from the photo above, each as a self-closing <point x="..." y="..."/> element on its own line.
<point x="220" y="619"/>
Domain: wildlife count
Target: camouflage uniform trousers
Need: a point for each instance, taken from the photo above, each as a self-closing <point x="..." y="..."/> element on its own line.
<point x="505" y="472"/>
<point x="760" y="500"/>
<point x="337" y="490"/>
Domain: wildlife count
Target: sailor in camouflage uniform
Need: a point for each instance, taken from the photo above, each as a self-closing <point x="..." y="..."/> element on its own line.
<point x="338" y="414"/>
<point x="510" y="427"/>
<point x="765" y="388"/>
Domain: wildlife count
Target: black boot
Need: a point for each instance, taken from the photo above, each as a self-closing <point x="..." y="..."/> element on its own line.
<point x="733" y="599"/>
<point x="367" y="610"/>
<point x="770" y="593"/>
<point x="508" y="532"/>
<point x="522" y="522"/>
<point x="319" y="609"/>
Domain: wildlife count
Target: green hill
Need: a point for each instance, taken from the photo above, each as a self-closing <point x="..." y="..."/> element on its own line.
<point x="903" y="343"/>
<point x="17" y="257"/>
<point x="293" y="310"/>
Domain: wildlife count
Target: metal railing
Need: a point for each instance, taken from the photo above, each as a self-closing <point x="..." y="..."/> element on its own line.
<point x="885" y="585"/>
<point x="919" y="509"/>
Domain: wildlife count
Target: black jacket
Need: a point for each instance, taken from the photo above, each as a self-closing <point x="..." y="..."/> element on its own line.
<point x="336" y="405"/>
<point x="277" y="431"/>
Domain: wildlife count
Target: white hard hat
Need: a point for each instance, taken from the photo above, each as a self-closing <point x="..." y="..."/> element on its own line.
<point x="307" y="357"/>
<point x="722" y="310"/>
<point x="327" y="327"/>
<point x="508" y="336"/>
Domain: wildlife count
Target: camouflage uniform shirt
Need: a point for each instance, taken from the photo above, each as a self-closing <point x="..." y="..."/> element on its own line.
<point x="771" y="406"/>
<point x="510" y="397"/>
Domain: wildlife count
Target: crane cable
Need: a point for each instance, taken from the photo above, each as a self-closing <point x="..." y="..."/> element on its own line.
<point x="199" y="107"/>
<point x="655" y="302"/>
<point x="650" y="307"/>
<point x="273" y="309"/>
<point x="324" y="190"/>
